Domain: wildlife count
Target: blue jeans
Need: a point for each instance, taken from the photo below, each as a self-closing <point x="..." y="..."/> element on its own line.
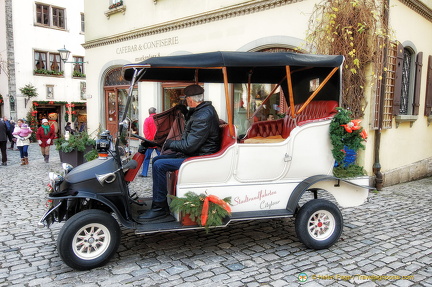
<point x="161" y="165"/>
<point x="23" y="151"/>
<point x="146" y="162"/>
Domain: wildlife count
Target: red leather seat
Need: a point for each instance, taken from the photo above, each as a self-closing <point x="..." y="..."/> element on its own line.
<point x="314" y="110"/>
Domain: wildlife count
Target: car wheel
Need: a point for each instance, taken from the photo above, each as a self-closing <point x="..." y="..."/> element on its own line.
<point x="88" y="239"/>
<point x="319" y="224"/>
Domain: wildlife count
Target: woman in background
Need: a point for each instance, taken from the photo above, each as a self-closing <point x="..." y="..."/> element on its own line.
<point x="22" y="133"/>
<point x="45" y="136"/>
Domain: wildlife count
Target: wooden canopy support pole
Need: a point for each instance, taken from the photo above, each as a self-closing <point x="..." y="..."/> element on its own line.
<point x="311" y="97"/>
<point x="249" y="85"/>
<point x="290" y="91"/>
<point x="228" y="102"/>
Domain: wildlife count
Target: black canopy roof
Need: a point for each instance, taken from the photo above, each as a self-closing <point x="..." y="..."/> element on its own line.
<point x="206" y="67"/>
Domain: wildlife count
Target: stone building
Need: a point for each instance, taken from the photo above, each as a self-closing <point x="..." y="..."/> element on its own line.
<point x="120" y="32"/>
<point x="32" y="33"/>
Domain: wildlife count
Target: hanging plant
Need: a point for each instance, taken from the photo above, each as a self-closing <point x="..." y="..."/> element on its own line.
<point x="352" y="29"/>
<point x="29" y="91"/>
<point x="347" y="137"/>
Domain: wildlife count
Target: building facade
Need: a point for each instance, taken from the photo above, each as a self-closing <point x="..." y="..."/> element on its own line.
<point x="31" y="35"/>
<point x="129" y="31"/>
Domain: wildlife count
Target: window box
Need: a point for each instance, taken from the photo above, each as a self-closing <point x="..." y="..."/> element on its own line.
<point x="77" y="74"/>
<point x="120" y="9"/>
<point x="48" y="72"/>
<point x="405" y="119"/>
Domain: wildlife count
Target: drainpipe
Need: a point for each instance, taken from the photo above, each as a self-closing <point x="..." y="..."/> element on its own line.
<point x="377" y="165"/>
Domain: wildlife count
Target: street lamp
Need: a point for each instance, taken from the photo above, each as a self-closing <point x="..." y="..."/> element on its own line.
<point x="64" y="55"/>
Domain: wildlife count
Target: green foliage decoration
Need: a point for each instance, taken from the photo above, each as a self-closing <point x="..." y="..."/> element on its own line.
<point x="77" y="142"/>
<point x="78" y="74"/>
<point x="29" y="91"/>
<point x="341" y="139"/>
<point x="192" y="204"/>
<point x="91" y="155"/>
<point x="48" y="72"/>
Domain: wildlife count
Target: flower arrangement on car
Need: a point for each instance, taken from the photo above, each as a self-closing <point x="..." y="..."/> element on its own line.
<point x="203" y="210"/>
<point x="347" y="137"/>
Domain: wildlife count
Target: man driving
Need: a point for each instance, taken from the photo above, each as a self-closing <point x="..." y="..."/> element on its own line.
<point x="200" y="137"/>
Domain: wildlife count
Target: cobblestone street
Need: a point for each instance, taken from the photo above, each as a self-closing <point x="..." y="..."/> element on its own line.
<point x="385" y="242"/>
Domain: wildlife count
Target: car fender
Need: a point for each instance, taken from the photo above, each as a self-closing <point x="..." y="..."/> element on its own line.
<point x="121" y="214"/>
<point x="346" y="193"/>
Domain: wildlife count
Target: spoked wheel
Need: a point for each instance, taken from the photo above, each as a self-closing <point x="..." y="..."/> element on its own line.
<point x="88" y="239"/>
<point x="319" y="224"/>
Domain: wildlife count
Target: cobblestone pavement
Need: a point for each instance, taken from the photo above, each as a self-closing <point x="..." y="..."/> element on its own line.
<point x="386" y="242"/>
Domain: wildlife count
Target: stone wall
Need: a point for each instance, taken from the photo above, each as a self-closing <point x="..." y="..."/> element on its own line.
<point x="410" y="172"/>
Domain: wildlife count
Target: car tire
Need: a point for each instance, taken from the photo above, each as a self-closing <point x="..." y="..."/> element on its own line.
<point x="88" y="239"/>
<point x="319" y="224"/>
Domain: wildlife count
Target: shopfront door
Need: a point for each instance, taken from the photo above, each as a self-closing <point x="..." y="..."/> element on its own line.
<point x="112" y="111"/>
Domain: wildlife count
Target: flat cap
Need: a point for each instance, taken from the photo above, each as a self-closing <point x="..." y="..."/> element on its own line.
<point x="193" y="90"/>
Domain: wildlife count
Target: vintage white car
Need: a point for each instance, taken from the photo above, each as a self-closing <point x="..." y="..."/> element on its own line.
<point x="265" y="172"/>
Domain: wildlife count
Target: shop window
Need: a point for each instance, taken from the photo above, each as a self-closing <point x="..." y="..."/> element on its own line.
<point x="49" y="16"/>
<point x="115" y="78"/>
<point x="173" y="94"/>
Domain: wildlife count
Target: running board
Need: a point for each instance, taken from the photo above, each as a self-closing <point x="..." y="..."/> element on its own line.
<point x="170" y="224"/>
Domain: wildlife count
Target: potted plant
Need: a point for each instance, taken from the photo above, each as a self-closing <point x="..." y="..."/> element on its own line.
<point x="203" y="210"/>
<point x="347" y="137"/>
<point x="73" y="148"/>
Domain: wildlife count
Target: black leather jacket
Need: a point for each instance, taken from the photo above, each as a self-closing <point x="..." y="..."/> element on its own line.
<point x="201" y="134"/>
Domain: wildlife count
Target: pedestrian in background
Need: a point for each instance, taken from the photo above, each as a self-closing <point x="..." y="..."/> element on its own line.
<point x="3" y="141"/>
<point x="45" y="136"/>
<point x="12" y="139"/>
<point x="9" y="130"/>
<point x="68" y="128"/>
<point x="22" y="133"/>
<point x="149" y="133"/>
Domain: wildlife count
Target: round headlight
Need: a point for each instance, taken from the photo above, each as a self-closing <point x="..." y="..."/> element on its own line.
<point x="55" y="177"/>
<point x="67" y="167"/>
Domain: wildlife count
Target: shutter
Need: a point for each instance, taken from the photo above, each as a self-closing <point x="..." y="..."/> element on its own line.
<point x="417" y="83"/>
<point x="428" y="101"/>
<point x="398" y="80"/>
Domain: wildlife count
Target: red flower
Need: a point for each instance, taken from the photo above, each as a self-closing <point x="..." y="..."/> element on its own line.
<point x="364" y="134"/>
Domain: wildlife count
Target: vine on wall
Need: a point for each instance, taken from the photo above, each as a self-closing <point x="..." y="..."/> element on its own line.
<point x="349" y="28"/>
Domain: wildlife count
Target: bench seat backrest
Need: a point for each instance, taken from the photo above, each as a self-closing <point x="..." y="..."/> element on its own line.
<point x="283" y="127"/>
